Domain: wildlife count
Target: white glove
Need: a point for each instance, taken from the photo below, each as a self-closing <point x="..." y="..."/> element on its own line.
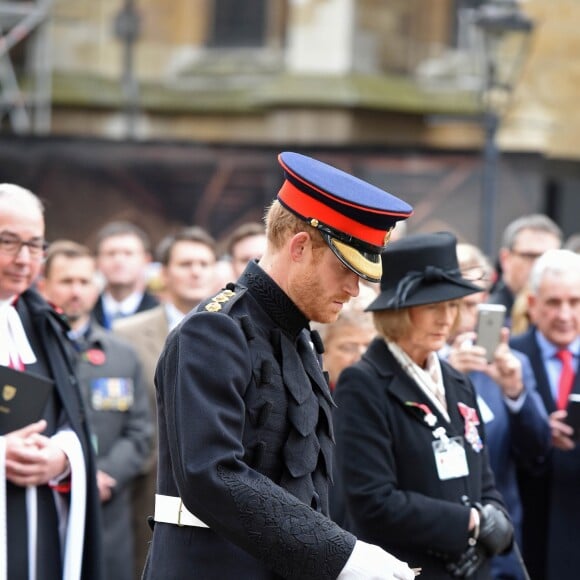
<point x="369" y="562"/>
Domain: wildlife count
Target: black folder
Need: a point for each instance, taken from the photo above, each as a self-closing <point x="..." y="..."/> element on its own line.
<point x="23" y="396"/>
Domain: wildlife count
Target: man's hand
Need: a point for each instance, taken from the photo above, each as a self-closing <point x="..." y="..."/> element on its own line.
<point x="464" y="356"/>
<point x="105" y="483"/>
<point x="561" y="432"/>
<point x="32" y="458"/>
<point x="506" y="368"/>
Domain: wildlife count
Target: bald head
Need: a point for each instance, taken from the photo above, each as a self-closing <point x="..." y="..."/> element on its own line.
<point x="21" y="239"/>
<point x="14" y="194"/>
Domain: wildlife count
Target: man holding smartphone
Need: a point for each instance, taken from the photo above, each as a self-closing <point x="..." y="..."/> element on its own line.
<point x="550" y="496"/>
<point x="516" y="423"/>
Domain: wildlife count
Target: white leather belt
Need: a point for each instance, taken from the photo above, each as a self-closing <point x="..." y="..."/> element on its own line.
<point x="170" y="510"/>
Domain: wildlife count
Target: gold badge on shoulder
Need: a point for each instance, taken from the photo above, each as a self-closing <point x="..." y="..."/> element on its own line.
<point x="216" y="302"/>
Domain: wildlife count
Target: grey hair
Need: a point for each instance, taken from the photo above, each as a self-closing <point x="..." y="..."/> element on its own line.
<point x="15" y="193"/>
<point x="537" y="222"/>
<point x="555" y="262"/>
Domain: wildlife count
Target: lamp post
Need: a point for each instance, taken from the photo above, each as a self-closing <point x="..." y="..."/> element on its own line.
<point x="127" y="28"/>
<point x="505" y="34"/>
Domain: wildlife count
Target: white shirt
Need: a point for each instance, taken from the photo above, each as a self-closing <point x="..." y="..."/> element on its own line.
<point x="174" y="315"/>
<point x="126" y="307"/>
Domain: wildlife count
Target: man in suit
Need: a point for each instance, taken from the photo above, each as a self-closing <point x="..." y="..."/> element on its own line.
<point x="244" y="410"/>
<point x="122" y="250"/>
<point x="516" y="423"/>
<point x="524" y="240"/>
<point x="116" y="398"/>
<point x="246" y="243"/>
<point x="187" y="271"/>
<point x="49" y="465"/>
<point x="549" y="491"/>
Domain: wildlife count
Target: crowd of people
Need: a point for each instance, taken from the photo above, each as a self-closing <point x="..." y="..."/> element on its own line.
<point x="191" y="424"/>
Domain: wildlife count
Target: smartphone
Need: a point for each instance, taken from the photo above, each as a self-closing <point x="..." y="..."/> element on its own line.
<point x="573" y="418"/>
<point x="490" y="321"/>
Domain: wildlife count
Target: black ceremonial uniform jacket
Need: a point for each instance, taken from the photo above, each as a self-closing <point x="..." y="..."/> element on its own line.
<point x="245" y="439"/>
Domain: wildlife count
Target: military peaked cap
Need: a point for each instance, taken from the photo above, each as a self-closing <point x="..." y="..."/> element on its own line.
<point x="354" y="217"/>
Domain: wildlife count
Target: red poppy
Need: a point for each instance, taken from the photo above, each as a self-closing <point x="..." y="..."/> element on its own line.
<point x="95" y="356"/>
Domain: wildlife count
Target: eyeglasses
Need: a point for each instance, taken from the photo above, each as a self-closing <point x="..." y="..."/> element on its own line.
<point x="475" y="274"/>
<point x="528" y="256"/>
<point x="12" y="245"/>
<point x="352" y="348"/>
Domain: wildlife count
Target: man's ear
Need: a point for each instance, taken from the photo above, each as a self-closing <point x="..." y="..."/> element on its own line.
<point x="503" y="255"/>
<point x="299" y="245"/>
<point x="531" y="299"/>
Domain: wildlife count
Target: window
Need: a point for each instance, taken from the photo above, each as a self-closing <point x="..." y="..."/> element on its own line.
<point x="237" y="23"/>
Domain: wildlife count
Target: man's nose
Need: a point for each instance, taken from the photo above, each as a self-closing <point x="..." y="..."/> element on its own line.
<point x="353" y="285"/>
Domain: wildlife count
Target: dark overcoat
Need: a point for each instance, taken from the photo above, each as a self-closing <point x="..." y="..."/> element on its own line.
<point x="521" y="438"/>
<point x="245" y="439"/>
<point x="550" y="497"/>
<point x="392" y="492"/>
<point x="47" y="335"/>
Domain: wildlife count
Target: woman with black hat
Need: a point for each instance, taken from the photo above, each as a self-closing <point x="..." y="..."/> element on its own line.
<point x="410" y="444"/>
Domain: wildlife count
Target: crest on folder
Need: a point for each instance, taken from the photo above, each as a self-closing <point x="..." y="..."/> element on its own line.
<point x="8" y="392"/>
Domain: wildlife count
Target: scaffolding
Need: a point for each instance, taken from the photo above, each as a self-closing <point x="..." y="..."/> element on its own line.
<point x="25" y="81"/>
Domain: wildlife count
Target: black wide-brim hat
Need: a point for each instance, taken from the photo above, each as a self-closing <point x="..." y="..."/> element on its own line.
<point x="421" y="269"/>
<point x="354" y="217"/>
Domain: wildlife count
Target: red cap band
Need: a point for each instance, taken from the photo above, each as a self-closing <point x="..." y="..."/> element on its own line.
<point x="308" y="207"/>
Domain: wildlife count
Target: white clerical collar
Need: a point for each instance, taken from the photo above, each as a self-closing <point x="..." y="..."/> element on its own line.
<point x="15" y="350"/>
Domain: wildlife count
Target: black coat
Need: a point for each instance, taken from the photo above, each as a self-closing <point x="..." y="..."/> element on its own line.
<point x="392" y="493"/>
<point x="46" y="333"/>
<point x="549" y="492"/>
<point x="245" y="439"/>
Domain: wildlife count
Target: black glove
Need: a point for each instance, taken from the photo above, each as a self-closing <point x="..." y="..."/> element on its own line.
<point x="466" y="565"/>
<point x="495" y="530"/>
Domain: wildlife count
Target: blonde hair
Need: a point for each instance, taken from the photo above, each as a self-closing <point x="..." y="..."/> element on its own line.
<point x="346" y="318"/>
<point x="282" y="224"/>
<point x="392" y="324"/>
<point x="474" y="265"/>
<point x="520" y="314"/>
<point x="396" y="324"/>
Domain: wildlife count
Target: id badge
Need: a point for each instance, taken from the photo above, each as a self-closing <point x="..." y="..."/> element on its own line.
<point x="450" y="458"/>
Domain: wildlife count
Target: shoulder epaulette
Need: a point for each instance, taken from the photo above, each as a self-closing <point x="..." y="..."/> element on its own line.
<point x="218" y="302"/>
